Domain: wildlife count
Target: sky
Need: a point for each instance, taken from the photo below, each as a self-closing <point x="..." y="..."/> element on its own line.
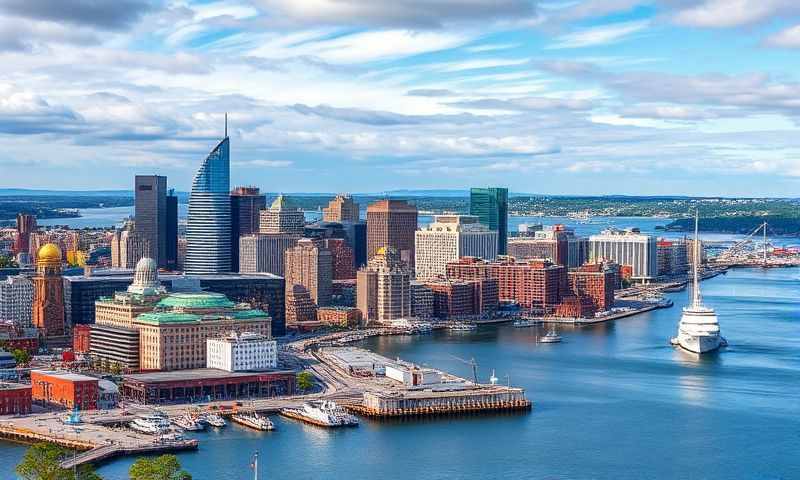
<point x="659" y="97"/>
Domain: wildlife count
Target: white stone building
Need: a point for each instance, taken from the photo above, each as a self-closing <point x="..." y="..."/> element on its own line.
<point x="243" y="352"/>
<point x="449" y="238"/>
<point x="16" y="300"/>
<point x="626" y="247"/>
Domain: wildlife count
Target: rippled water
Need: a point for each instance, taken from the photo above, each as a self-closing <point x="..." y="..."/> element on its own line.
<point x="611" y="401"/>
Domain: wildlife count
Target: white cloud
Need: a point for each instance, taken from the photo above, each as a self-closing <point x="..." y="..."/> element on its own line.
<point x="733" y="13"/>
<point x="787" y="38"/>
<point x="602" y="35"/>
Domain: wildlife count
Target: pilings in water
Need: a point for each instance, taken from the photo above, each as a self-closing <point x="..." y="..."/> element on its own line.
<point x="421" y="402"/>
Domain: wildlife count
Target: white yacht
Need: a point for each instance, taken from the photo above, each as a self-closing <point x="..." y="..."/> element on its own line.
<point x="324" y="413"/>
<point x="698" y="330"/>
<point x="215" y="420"/>
<point x="551" y="337"/>
<point x="462" y="327"/>
<point x="152" y="424"/>
<point x="253" y="420"/>
<point x="188" y="423"/>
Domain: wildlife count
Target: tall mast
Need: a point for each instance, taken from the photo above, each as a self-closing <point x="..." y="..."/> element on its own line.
<point x="765" y="244"/>
<point x="226" y="125"/>
<point x="695" y="281"/>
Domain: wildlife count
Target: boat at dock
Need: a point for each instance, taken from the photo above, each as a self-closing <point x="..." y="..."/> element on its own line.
<point x="462" y="327"/>
<point x="155" y="423"/>
<point x="324" y="413"/>
<point x="188" y="423"/>
<point x="215" y="420"/>
<point x="524" y="323"/>
<point x="253" y="420"/>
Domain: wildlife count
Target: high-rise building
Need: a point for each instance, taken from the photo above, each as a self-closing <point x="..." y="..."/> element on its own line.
<point x="246" y="205"/>
<point x="673" y="257"/>
<point x="310" y="264"/>
<point x="354" y="233"/>
<point x="464" y="298"/>
<point x="208" y="231"/>
<point x="16" y="301"/>
<point x="421" y="300"/>
<point x="384" y="288"/>
<point x="341" y="258"/>
<point x="171" y="253"/>
<point x="265" y="252"/>
<point x="449" y="238"/>
<point x="391" y="224"/>
<point x="280" y="217"/>
<point x="627" y="248"/>
<point x="128" y="247"/>
<point x="490" y="205"/>
<point x="341" y="209"/>
<point x="151" y="215"/>
<point x="48" y="294"/>
<point x="26" y="224"/>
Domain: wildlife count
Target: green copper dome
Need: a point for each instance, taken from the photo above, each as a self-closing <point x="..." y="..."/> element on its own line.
<point x="196" y="300"/>
<point x="168" y="317"/>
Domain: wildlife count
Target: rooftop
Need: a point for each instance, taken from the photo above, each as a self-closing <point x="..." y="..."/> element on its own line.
<point x="196" y="300"/>
<point x="195" y="374"/>
<point x="73" y="377"/>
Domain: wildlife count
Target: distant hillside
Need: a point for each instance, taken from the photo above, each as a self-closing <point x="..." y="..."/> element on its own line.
<point x="741" y="225"/>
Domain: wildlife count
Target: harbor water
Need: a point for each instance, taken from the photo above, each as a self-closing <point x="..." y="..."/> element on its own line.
<point x="611" y="401"/>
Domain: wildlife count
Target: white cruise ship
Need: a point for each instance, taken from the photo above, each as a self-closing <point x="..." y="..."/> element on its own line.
<point x="324" y="413"/>
<point x="698" y="330"/>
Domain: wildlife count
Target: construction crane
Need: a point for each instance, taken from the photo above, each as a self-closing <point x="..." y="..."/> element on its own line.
<point x="472" y="363"/>
<point x="740" y="247"/>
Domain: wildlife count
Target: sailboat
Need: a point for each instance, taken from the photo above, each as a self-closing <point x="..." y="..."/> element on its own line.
<point x="551" y="336"/>
<point x="698" y="330"/>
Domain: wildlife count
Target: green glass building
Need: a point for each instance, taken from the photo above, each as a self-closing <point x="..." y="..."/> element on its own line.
<point x="490" y="205"/>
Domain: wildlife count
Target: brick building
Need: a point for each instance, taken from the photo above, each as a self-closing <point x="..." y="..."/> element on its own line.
<point x="81" y="335"/>
<point x="534" y="284"/>
<point x="341" y="258"/>
<point x="596" y="281"/>
<point x="339" y="316"/>
<point x="69" y="390"/>
<point x="15" y="399"/>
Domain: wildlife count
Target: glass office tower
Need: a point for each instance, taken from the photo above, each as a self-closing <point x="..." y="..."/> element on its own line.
<point x="208" y="231"/>
<point x="490" y="205"/>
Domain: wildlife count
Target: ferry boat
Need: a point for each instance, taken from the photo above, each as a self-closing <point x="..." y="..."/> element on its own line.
<point x="188" y="423"/>
<point x="215" y="420"/>
<point x="152" y="424"/>
<point x="462" y="327"/>
<point x="698" y="330"/>
<point x="324" y="413"/>
<point x="253" y="420"/>
<point x="551" y="337"/>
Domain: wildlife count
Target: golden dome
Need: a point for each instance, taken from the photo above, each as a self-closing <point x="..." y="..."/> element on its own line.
<point x="49" y="254"/>
<point x="381" y="251"/>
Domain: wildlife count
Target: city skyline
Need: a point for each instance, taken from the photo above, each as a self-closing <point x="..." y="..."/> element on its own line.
<point x="550" y="98"/>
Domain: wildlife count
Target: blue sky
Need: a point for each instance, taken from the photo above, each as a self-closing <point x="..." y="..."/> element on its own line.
<point x="690" y="97"/>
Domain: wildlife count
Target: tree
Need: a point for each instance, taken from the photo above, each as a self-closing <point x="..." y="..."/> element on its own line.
<point x="305" y="381"/>
<point x="42" y="461"/>
<point x="164" y="467"/>
<point x="22" y="357"/>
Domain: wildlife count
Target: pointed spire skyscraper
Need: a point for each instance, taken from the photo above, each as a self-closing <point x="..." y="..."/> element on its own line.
<point x="208" y="231"/>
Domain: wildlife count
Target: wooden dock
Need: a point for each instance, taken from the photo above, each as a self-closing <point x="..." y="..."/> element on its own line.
<point x="105" y="452"/>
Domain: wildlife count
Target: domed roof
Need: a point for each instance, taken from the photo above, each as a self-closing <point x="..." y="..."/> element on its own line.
<point x="49" y="253"/>
<point x="145" y="279"/>
<point x="146" y="265"/>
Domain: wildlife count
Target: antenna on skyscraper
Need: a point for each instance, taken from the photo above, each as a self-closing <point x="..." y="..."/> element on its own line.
<point x="226" y="124"/>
